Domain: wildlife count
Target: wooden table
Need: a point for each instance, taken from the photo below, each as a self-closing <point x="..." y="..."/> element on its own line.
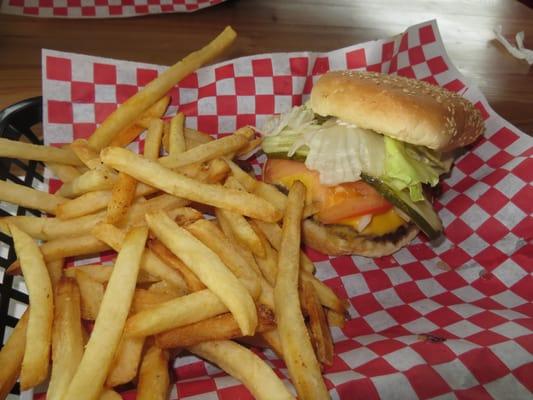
<point x="280" y="25"/>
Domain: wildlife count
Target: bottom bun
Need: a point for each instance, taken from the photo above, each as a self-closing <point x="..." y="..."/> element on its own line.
<point x="336" y="240"/>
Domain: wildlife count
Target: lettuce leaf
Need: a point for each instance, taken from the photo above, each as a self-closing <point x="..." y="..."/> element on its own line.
<point x="409" y="166"/>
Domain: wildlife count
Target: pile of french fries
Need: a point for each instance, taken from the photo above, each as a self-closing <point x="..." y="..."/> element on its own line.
<point x="208" y="261"/>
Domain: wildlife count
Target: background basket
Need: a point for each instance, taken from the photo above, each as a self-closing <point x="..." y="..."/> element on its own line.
<point x="22" y="122"/>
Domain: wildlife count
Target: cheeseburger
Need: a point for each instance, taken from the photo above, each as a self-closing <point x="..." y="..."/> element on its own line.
<point x="369" y="148"/>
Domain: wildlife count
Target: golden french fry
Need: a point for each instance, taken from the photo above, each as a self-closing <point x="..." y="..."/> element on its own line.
<point x="217" y="171"/>
<point x="92" y="294"/>
<point x="240" y="226"/>
<point x="225" y="225"/>
<point x="51" y="228"/>
<point x="28" y="151"/>
<point x="99" y="178"/>
<point x="67" y="338"/>
<point x="177" y="312"/>
<point x="269" y="263"/>
<point x="176" y="138"/>
<point x="109" y="394"/>
<point x="55" y="270"/>
<point x="208" y="267"/>
<point x="166" y="136"/>
<point x="327" y="297"/>
<point x="335" y="318"/>
<point x="153" y="376"/>
<point x="144" y="299"/>
<point x="248" y="182"/>
<point x="92" y="202"/>
<point x="220" y="327"/>
<point x="152" y="265"/>
<point x="195" y="138"/>
<point x="28" y="197"/>
<point x="11" y="356"/>
<point x="39" y="331"/>
<point x="211" y="236"/>
<point x="91" y="373"/>
<point x="152" y="144"/>
<point x="122" y="195"/>
<point x="85" y="153"/>
<point x="273" y="341"/>
<point x="127" y="135"/>
<point x="126" y="362"/>
<point x="160" y="250"/>
<point x="153" y="174"/>
<point x="273" y="233"/>
<point x="205" y="152"/>
<point x="318" y="325"/>
<point x="65" y="173"/>
<point x="127" y="113"/>
<point x="245" y="366"/>
<point x="155" y="111"/>
<point x="102" y="273"/>
<point x="299" y="356"/>
<point x="250" y="148"/>
<point x="162" y="287"/>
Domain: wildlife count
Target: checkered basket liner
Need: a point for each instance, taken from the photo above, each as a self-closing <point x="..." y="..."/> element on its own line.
<point x="447" y="320"/>
<point x="101" y="8"/>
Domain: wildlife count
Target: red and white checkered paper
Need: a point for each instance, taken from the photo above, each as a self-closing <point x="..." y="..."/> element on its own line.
<point x="100" y="8"/>
<point x="434" y="321"/>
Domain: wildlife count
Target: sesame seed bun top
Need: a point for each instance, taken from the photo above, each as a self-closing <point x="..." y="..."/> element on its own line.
<point x="406" y="109"/>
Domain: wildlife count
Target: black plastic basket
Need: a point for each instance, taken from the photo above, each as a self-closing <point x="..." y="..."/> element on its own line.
<point x="21" y="122"/>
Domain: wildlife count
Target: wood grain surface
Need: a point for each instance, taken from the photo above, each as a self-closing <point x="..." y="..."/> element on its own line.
<point x="280" y="25"/>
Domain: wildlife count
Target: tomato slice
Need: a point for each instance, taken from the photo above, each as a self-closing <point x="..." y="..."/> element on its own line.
<point x="336" y="202"/>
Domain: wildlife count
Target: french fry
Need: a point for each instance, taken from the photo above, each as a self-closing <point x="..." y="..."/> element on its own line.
<point x="273" y="341"/>
<point x="163" y="288"/>
<point x="208" y="267"/>
<point x="92" y="202"/>
<point x="127" y="135"/>
<point x="318" y="325"/>
<point x="155" y="111"/>
<point x="211" y="236"/>
<point x="250" y="148"/>
<point x="67" y="338"/>
<point x="166" y="136"/>
<point x="159" y="249"/>
<point x="102" y="272"/>
<point x="269" y="263"/>
<point x="85" y="153"/>
<point x="335" y="318"/>
<point x="153" y="376"/>
<point x="299" y="356"/>
<point x="217" y="171"/>
<point x="150" y="263"/>
<point x="220" y="327"/>
<point x="92" y="294"/>
<point x="65" y="173"/>
<point x="51" y="228"/>
<point x="99" y="178"/>
<point x="177" y="312"/>
<point x="39" y="331"/>
<point x="91" y="373"/>
<point x="28" y="197"/>
<point x="28" y="151"/>
<point x="241" y="228"/>
<point x="248" y="182"/>
<point x="127" y="113"/>
<point x="176" y="137"/>
<point x="195" y="138"/>
<point x="224" y="224"/>
<point x="244" y="365"/>
<point x="152" y="144"/>
<point x="55" y="270"/>
<point x="273" y="234"/>
<point x="126" y="362"/>
<point x="11" y="356"/>
<point x="327" y="297"/>
<point x="144" y="299"/>
<point x="153" y="174"/>
<point x="122" y="195"/>
<point x="208" y="151"/>
<point x="109" y="394"/>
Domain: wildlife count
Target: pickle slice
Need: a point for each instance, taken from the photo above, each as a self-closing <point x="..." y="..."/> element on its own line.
<point x="420" y="212"/>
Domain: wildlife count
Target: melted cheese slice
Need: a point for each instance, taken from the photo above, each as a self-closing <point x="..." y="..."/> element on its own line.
<point x="381" y="224"/>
